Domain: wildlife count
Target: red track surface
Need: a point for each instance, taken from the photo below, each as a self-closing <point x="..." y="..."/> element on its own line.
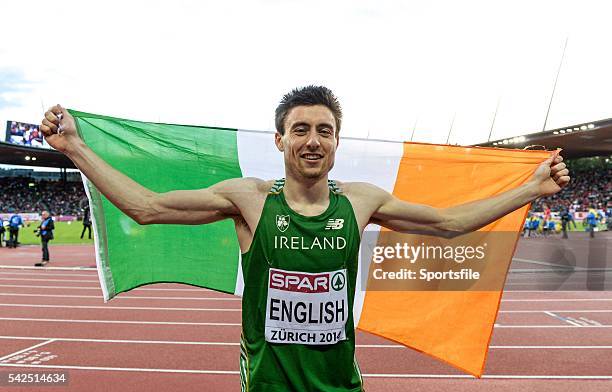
<point x="174" y="337"/>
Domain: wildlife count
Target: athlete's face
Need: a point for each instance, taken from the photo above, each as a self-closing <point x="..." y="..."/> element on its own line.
<point x="309" y="143"/>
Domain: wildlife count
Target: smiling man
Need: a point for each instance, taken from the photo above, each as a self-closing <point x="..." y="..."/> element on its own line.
<point x="299" y="237"/>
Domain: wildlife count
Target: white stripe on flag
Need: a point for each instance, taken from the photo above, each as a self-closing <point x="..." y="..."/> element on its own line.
<point x="375" y="162"/>
<point x="96" y="239"/>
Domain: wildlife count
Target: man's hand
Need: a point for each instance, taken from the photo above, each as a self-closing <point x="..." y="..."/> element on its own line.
<point x="550" y="176"/>
<point x="59" y="129"/>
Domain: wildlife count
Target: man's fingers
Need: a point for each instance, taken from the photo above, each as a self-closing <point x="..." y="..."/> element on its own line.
<point x="52" y="127"/>
<point x="57" y="109"/>
<point x="549" y="160"/>
<point x="46" y="130"/>
<point x="50" y="116"/>
<point x="558" y="167"/>
<point x="558" y="159"/>
<point x="561" y="173"/>
<point x="63" y="111"/>
<point x="563" y="181"/>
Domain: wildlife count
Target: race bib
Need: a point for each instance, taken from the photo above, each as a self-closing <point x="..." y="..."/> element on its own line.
<point x="305" y="308"/>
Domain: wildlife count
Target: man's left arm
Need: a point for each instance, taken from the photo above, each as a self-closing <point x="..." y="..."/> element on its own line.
<point x="398" y="215"/>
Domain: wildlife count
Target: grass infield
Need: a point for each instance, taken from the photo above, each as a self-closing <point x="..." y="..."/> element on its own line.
<point x="64" y="233"/>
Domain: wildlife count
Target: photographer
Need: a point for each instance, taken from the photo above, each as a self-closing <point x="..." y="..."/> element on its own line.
<point x="14" y="224"/>
<point x="45" y="231"/>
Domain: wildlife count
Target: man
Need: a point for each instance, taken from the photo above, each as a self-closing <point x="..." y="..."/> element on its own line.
<point x="2" y="230"/>
<point x="45" y="231"/>
<point x="86" y="222"/>
<point x="591" y="221"/>
<point x="15" y="222"/>
<point x="565" y="218"/>
<point x="308" y="122"/>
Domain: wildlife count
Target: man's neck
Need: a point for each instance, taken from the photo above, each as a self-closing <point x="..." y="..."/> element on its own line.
<point x="305" y="191"/>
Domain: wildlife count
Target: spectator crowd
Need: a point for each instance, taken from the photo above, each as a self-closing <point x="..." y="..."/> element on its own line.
<point x="24" y="194"/>
<point x="587" y="189"/>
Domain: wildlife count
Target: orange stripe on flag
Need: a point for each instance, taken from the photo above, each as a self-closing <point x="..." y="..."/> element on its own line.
<point x="452" y="326"/>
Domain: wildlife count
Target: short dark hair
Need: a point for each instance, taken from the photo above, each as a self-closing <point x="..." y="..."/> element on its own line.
<point x="307" y="96"/>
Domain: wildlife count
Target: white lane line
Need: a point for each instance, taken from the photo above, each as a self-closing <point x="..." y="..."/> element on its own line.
<point x="236" y="372"/>
<point x="120" y="322"/>
<point x="557" y="300"/>
<point x="239" y="299"/>
<point x="26" y="349"/>
<point x="238" y="324"/>
<point x="569" y="268"/>
<point x="586" y="320"/>
<point x="50" y="280"/>
<point x="109" y="307"/>
<point x="127" y="341"/>
<point x="25" y="267"/>
<point x="489" y="376"/>
<point x="25" y="286"/>
<point x="537" y="262"/>
<point x="583" y="321"/>
<point x="94" y="288"/>
<point x="124" y="369"/>
<point x="498" y="347"/>
<point x="97" y="287"/>
<point x="92" y="275"/>
<point x="561" y="318"/>
<point x="201" y="343"/>
<point x="543" y="291"/>
<point x="559" y="311"/>
<point x="568" y="271"/>
<point x="552" y="326"/>
<point x="119" y="297"/>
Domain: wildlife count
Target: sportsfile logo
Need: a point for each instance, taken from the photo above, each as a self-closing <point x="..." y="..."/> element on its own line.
<point x="299" y="282"/>
<point x="334" y="224"/>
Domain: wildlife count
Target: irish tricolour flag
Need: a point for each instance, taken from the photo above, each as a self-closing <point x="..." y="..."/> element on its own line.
<point x="453" y="326"/>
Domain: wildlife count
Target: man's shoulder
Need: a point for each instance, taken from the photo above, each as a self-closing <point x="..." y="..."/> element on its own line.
<point x="363" y="193"/>
<point x="247" y="185"/>
<point x="359" y="188"/>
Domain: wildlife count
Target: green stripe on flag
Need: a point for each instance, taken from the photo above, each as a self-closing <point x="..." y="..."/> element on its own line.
<point x="163" y="157"/>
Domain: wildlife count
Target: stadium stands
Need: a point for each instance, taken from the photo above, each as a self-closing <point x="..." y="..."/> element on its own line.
<point x="24" y="194"/>
<point x="587" y="188"/>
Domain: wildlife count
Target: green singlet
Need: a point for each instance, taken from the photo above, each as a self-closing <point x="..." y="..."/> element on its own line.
<point x="297" y="309"/>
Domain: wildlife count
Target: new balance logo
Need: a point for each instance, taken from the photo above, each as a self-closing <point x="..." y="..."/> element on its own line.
<point x="334" y="224"/>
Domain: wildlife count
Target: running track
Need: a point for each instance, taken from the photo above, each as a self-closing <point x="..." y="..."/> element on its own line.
<point x="168" y="336"/>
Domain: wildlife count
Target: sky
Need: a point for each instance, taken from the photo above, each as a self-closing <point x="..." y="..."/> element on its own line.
<point x="400" y="69"/>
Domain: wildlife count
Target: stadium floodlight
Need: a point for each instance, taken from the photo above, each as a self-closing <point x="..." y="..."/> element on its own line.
<point x="495" y="143"/>
<point x="522" y="138"/>
<point x="576" y="129"/>
<point x="562" y="131"/>
<point x="27" y="158"/>
<point x="568" y="130"/>
<point x="555" y="132"/>
<point x="591" y="126"/>
<point x="583" y="128"/>
<point x="505" y="141"/>
<point x="33" y="158"/>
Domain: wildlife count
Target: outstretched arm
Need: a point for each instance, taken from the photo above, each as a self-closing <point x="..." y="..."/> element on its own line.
<point x="402" y="216"/>
<point x="141" y="204"/>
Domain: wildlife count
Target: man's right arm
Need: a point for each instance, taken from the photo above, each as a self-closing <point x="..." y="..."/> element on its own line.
<point x="141" y="204"/>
